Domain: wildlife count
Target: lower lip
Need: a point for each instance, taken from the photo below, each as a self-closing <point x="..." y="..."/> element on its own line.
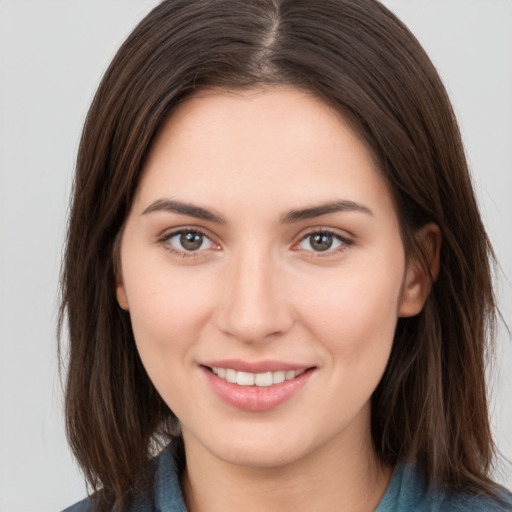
<point x="255" y="398"/>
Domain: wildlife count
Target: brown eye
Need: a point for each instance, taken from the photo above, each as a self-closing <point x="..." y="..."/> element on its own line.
<point x="188" y="241"/>
<point x="322" y="241"/>
<point x="191" y="241"/>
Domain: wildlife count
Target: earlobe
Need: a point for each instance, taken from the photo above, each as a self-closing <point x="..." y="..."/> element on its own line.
<point x="422" y="270"/>
<point x="121" y="293"/>
<point x="122" y="299"/>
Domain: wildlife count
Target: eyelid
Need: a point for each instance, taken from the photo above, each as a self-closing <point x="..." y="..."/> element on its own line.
<point x="168" y="234"/>
<point x="346" y="241"/>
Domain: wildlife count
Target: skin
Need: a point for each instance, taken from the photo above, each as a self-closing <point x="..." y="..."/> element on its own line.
<point x="257" y="289"/>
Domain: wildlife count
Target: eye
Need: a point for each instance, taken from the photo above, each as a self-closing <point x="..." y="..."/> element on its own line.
<point x="188" y="240"/>
<point x="322" y="241"/>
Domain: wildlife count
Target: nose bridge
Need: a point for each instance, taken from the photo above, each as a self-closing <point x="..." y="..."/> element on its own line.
<point x="256" y="305"/>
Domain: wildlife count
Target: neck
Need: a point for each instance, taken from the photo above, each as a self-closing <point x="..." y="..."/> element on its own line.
<point x="342" y="475"/>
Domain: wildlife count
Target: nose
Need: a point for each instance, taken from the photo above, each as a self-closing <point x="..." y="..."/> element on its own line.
<point x="255" y="305"/>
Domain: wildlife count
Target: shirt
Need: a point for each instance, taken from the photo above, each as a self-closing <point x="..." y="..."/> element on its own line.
<point x="407" y="492"/>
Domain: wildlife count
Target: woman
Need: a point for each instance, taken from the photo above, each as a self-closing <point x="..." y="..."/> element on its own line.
<point x="276" y="266"/>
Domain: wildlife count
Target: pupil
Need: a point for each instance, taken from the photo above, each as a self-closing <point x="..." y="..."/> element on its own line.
<point x="191" y="241"/>
<point x="321" y="241"/>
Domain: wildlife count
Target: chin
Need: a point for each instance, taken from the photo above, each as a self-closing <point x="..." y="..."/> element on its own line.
<point x="258" y="456"/>
<point x="264" y="447"/>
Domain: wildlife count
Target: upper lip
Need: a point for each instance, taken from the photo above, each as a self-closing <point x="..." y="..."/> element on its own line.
<point x="256" y="366"/>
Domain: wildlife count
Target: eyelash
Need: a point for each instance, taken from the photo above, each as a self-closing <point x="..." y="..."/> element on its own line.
<point x="344" y="242"/>
<point x="166" y="237"/>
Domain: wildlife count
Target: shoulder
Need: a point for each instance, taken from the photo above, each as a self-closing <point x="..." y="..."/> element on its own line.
<point x="81" y="506"/>
<point x="476" y="503"/>
<point x="165" y="493"/>
<point x="408" y="492"/>
<point x="142" y="503"/>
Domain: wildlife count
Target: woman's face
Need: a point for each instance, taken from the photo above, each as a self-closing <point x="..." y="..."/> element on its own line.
<point x="264" y="272"/>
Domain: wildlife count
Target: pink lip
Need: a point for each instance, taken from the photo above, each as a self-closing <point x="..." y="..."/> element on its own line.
<point x="255" y="367"/>
<point x="254" y="398"/>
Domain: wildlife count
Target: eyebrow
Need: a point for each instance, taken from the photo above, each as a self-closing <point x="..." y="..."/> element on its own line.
<point x="324" y="209"/>
<point x="169" y="205"/>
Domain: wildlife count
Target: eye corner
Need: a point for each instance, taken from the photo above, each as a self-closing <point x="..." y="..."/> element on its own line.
<point x="188" y="242"/>
<point x="328" y="242"/>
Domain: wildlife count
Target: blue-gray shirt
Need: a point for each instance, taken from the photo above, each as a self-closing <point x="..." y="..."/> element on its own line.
<point x="406" y="492"/>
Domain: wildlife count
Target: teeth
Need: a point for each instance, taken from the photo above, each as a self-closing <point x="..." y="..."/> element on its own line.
<point x="278" y="377"/>
<point x="263" y="379"/>
<point x="290" y="374"/>
<point x="255" y="379"/>
<point x="231" y="375"/>
<point x="245" y="379"/>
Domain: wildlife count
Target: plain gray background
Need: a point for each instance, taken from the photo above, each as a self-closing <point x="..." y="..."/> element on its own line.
<point x="52" y="55"/>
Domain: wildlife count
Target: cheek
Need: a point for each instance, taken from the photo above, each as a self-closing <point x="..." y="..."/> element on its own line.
<point x="168" y="308"/>
<point x="355" y="323"/>
<point x="356" y="316"/>
<point x="168" y="312"/>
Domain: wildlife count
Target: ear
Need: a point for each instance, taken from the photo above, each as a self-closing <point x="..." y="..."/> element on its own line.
<point x="422" y="270"/>
<point x="121" y="293"/>
<point x="122" y="299"/>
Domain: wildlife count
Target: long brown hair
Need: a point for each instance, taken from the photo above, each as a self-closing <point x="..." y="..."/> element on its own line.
<point x="430" y="406"/>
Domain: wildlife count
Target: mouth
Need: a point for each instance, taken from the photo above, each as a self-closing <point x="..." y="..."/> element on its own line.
<point x="263" y="379"/>
<point x="257" y="390"/>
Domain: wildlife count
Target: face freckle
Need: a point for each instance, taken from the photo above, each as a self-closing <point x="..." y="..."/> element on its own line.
<point x="258" y="174"/>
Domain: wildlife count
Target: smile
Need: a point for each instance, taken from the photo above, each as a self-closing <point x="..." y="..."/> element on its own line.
<point x="255" y="379"/>
<point x="259" y="390"/>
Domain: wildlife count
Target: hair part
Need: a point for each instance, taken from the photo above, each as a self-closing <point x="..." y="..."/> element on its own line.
<point x="430" y="406"/>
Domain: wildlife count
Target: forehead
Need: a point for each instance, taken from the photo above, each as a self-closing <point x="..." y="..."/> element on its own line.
<point x="282" y="144"/>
